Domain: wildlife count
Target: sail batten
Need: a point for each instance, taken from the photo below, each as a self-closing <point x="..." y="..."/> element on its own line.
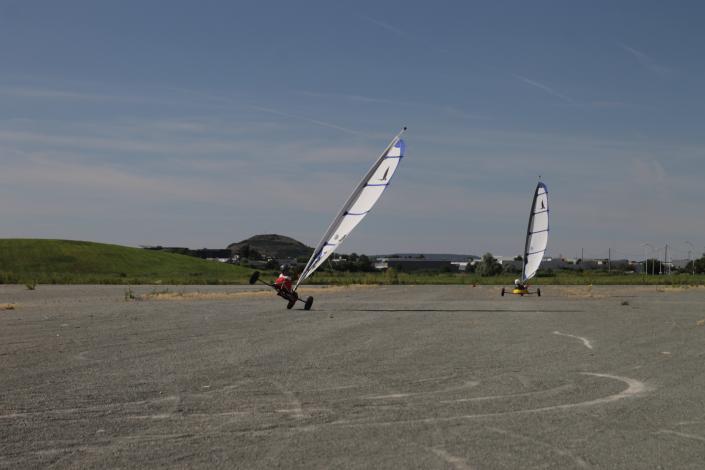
<point x="358" y="205"/>
<point x="536" y="233"/>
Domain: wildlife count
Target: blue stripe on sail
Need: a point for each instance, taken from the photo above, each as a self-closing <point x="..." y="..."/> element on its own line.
<point x="401" y="146"/>
<point x="356" y="213"/>
<point x="375" y="184"/>
<point x="320" y="253"/>
<point x="540" y="212"/>
<point x="538" y="231"/>
<point x="397" y="156"/>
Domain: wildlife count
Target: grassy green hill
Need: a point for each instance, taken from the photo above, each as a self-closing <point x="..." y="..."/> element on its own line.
<point x="77" y="262"/>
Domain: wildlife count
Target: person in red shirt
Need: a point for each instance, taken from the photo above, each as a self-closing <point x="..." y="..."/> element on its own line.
<point x="283" y="282"/>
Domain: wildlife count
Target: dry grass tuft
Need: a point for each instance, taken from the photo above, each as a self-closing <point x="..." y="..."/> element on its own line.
<point x="700" y="322"/>
<point x="7" y="306"/>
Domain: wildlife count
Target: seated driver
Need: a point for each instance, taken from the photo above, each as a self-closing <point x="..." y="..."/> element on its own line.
<point x="283" y="282"/>
<point x="518" y="284"/>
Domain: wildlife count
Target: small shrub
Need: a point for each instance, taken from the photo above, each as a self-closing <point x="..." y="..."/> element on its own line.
<point x="31" y="285"/>
<point x="625" y="302"/>
<point x="129" y="295"/>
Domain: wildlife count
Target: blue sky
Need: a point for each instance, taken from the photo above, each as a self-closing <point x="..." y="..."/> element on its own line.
<point x="202" y="123"/>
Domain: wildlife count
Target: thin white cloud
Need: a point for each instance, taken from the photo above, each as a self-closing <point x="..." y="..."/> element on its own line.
<point x="374" y="100"/>
<point x="305" y="119"/>
<point x="352" y="97"/>
<point x="120" y="144"/>
<point x="646" y="61"/>
<point x="57" y="94"/>
<point x="545" y="88"/>
<point x="385" y="25"/>
<point x="608" y="104"/>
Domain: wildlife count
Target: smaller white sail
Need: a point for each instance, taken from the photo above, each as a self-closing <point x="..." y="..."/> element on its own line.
<point x="536" y="234"/>
<point x="358" y="205"/>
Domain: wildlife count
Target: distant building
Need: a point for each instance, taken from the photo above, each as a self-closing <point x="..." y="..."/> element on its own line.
<point x="424" y="262"/>
<point x="407" y="264"/>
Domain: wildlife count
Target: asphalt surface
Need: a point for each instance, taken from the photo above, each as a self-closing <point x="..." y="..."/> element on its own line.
<point x="372" y="377"/>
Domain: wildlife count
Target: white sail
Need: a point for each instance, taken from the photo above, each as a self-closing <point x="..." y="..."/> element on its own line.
<point x="536" y="234"/>
<point x="363" y="198"/>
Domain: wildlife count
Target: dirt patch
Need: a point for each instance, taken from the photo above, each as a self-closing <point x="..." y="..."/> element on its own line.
<point x="200" y="295"/>
<point x="170" y="295"/>
<point x="678" y="289"/>
<point x="606" y="291"/>
<point x="8" y="306"/>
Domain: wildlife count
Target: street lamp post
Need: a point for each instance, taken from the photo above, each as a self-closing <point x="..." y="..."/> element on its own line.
<point x="690" y="260"/>
<point x="646" y="257"/>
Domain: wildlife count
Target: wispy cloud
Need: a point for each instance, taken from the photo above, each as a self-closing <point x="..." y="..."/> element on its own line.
<point x="609" y="104"/>
<point x="646" y="61"/>
<point x="353" y="97"/>
<point x="329" y="125"/>
<point x="119" y="144"/>
<point x="385" y="25"/>
<point x="545" y="88"/>
<point x="59" y="94"/>
<point x="374" y="100"/>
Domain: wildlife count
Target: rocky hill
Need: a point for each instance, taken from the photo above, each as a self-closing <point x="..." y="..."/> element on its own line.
<point x="273" y="245"/>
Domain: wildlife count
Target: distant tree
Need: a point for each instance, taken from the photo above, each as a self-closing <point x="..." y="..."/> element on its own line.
<point x="247" y="252"/>
<point x="470" y="268"/>
<point x="519" y="258"/>
<point x="364" y="264"/>
<point x="489" y="266"/>
<point x="700" y="265"/>
<point x="511" y="268"/>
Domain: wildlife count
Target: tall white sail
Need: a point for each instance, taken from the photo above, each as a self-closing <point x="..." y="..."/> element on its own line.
<point x="536" y="234"/>
<point x="360" y="202"/>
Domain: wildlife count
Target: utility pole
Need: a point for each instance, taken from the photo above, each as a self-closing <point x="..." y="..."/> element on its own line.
<point x="665" y="260"/>
<point x="582" y="255"/>
<point x="691" y="260"/>
<point x="609" y="260"/>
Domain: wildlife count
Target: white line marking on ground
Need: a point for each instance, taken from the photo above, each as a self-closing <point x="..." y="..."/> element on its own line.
<point x="511" y="395"/>
<point x="578" y="461"/>
<point x="634" y="388"/>
<point x="456" y="462"/>
<point x="468" y="384"/>
<point x="681" y="434"/>
<point x="585" y="341"/>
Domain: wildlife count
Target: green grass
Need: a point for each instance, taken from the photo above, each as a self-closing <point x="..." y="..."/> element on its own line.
<point x="28" y="261"/>
<point x="32" y="261"/>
